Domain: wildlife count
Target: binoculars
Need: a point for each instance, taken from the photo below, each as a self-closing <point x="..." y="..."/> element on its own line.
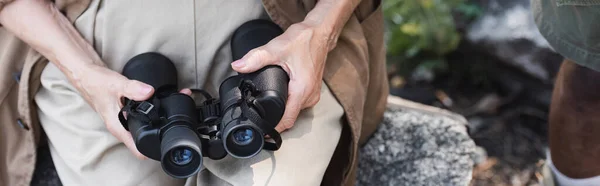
<point x="169" y="127"/>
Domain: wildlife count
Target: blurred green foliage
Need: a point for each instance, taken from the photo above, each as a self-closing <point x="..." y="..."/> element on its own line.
<point x="421" y="32"/>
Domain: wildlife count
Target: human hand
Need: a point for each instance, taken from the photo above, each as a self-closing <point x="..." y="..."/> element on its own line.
<point x="104" y="89"/>
<point x="301" y="51"/>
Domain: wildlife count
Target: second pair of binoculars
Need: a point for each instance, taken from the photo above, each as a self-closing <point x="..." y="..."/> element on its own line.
<point x="171" y="128"/>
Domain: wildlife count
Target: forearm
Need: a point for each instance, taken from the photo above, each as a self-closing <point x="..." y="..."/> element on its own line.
<point x="41" y="25"/>
<point x="329" y="17"/>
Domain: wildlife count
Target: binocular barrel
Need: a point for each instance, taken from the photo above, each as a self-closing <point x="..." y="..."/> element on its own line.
<point x="180" y="152"/>
<point x="272" y="81"/>
<point x="242" y="138"/>
<point x="155" y="70"/>
<point x="181" y="156"/>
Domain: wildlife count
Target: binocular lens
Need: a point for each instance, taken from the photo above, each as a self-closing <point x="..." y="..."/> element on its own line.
<point x="182" y="156"/>
<point x="243" y="140"/>
<point x="243" y="136"/>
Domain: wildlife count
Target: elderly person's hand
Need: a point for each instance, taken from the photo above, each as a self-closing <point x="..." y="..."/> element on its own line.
<point x="101" y="87"/>
<point x="302" y="51"/>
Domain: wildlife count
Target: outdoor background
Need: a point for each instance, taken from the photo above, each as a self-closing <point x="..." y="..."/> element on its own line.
<point x="483" y="59"/>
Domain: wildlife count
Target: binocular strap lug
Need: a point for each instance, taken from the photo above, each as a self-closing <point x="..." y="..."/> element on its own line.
<point x="144" y="111"/>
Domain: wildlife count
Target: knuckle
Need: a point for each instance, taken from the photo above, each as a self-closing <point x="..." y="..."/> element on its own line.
<point x="119" y="84"/>
<point x="295" y="105"/>
<point x="314" y="100"/>
<point x="115" y="88"/>
<point x="284" y="64"/>
<point x="128" y="85"/>
<point x="309" y="87"/>
<point x="288" y="124"/>
<point x="260" y="53"/>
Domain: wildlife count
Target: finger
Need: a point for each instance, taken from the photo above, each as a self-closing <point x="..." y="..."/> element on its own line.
<point x="186" y="91"/>
<point x="136" y="90"/>
<point x="128" y="141"/>
<point x="254" y="60"/>
<point x="124" y="136"/>
<point x="292" y="109"/>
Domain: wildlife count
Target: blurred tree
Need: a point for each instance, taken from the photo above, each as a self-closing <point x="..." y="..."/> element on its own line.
<point x="421" y="32"/>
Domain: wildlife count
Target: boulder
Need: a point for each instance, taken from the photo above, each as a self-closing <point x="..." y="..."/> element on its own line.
<point x="417" y="145"/>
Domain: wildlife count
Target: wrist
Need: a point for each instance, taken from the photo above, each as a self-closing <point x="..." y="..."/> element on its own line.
<point x="323" y="33"/>
<point x="75" y="56"/>
<point x="320" y="35"/>
<point x="75" y="63"/>
<point x="328" y="19"/>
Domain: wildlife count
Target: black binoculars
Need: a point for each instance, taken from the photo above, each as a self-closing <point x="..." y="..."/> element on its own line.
<point x="170" y="128"/>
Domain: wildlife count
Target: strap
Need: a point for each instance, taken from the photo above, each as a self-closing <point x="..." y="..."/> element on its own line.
<point x="203" y="92"/>
<point x="150" y="110"/>
<point x="122" y="119"/>
<point x="144" y="110"/>
<point x="264" y="126"/>
<point x="248" y="89"/>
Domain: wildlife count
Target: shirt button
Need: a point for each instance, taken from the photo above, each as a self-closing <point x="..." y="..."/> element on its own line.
<point x="17" y="76"/>
<point x="22" y="125"/>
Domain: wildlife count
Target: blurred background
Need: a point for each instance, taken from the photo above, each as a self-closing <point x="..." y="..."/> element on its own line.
<point x="485" y="60"/>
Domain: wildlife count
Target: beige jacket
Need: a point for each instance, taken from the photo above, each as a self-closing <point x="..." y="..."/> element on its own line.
<point x="355" y="72"/>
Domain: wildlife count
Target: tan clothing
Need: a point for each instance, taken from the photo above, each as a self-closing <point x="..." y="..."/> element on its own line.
<point x="194" y="35"/>
<point x="302" y="161"/>
<point x="197" y="40"/>
<point x="355" y="73"/>
<point x="85" y="153"/>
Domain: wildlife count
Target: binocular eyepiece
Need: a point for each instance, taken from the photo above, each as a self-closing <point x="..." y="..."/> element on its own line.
<point x="170" y="128"/>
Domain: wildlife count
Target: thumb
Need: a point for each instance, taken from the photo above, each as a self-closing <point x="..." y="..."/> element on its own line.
<point x="254" y="60"/>
<point x="186" y="91"/>
<point x="136" y="90"/>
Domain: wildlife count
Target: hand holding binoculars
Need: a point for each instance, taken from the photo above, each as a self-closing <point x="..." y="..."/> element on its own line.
<point x="170" y="128"/>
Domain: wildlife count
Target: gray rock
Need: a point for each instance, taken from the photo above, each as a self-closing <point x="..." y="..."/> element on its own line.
<point x="417" y="145"/>
<point x="480" y="155"/>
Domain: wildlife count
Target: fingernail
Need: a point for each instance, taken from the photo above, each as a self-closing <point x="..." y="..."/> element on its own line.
<point x="146" y="89"/>
<point x="239" y="63"/>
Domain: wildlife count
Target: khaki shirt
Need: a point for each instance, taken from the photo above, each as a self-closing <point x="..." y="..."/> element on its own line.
<point x="355" y="72"/>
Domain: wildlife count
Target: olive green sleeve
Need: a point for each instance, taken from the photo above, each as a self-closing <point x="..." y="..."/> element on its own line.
<point x="571" y="28"/>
